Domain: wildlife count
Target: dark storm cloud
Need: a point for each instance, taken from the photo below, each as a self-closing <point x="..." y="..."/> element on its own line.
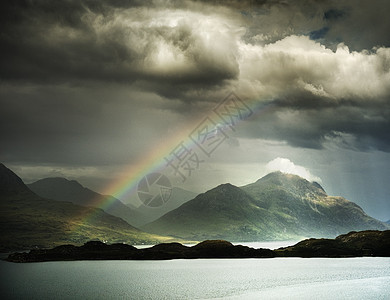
<point x="359" y="24"/>
<point x="162" y="44"/>
<point x="69" y="41"/>
<point x="334" y="14"/>
<point x="71" y="70"/>
<point x="343" y="126"/>
<point x="49" y="41"/>
<point x="318" y="34"/>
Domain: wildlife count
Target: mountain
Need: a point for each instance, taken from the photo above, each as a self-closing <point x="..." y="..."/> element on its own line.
<point x="308" y="208"/>
<point x="388" y="222"/>
<point x="277" y="206"/>
<point x="10" y="183"/>
<point x="61" y="189"/>
<point x="178" y="197"/>
<point x="221" y="213"/>
<point x="28" y="220"/>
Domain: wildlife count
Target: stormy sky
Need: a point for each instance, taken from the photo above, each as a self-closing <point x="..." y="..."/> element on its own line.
<point x="89" y="88"/>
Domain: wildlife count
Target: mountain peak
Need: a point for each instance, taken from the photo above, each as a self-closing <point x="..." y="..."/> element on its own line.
<point x="226" y="191"/>
<point x="280" y="176"/>
<point x="290" y="182"/>
<point x="226" y="186"/>
<point x="10" y="183"/>
<point x="63" y="189"/>
<point x="51" y="186"/>
<point x="277" y="206"/>
<point x="59" y="181"/>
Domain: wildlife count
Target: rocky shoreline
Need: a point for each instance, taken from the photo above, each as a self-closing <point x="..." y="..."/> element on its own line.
<point x="353" y="244"/>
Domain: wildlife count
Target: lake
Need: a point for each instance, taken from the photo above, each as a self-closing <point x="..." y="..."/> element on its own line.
<point x="276" y="278"/>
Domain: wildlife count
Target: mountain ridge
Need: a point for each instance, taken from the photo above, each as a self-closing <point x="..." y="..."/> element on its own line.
<point x="29" y="221"/>
<point x="178" y="197"/>
<point x="10" y="183"/>
<point x="62" y="189"/>
<point x="277" y="206"/>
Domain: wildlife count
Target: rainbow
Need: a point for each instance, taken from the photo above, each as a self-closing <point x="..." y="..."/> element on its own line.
<point x="125" y="187"/>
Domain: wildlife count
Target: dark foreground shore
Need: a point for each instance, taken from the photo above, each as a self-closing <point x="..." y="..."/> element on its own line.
<point x="353" y="244"/>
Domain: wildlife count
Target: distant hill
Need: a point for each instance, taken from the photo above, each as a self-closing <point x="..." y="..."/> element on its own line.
<point x="352" y="244"/>
<point x="28" y="220"/>
<point x="178" y="197"/>
<point x="276" y="207"/>
<point x="61" y="189"/>
<point x="388" y="222"/>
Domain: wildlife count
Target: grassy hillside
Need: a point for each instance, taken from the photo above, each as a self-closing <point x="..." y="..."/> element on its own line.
<point x="27" y="220"/>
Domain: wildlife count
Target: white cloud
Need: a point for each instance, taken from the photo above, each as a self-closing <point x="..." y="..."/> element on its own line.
<point x="298" y="64"/>
<point x="287" y="166"/>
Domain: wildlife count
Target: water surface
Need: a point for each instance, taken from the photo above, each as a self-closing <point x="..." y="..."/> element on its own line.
<point x="277" y="278"/>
